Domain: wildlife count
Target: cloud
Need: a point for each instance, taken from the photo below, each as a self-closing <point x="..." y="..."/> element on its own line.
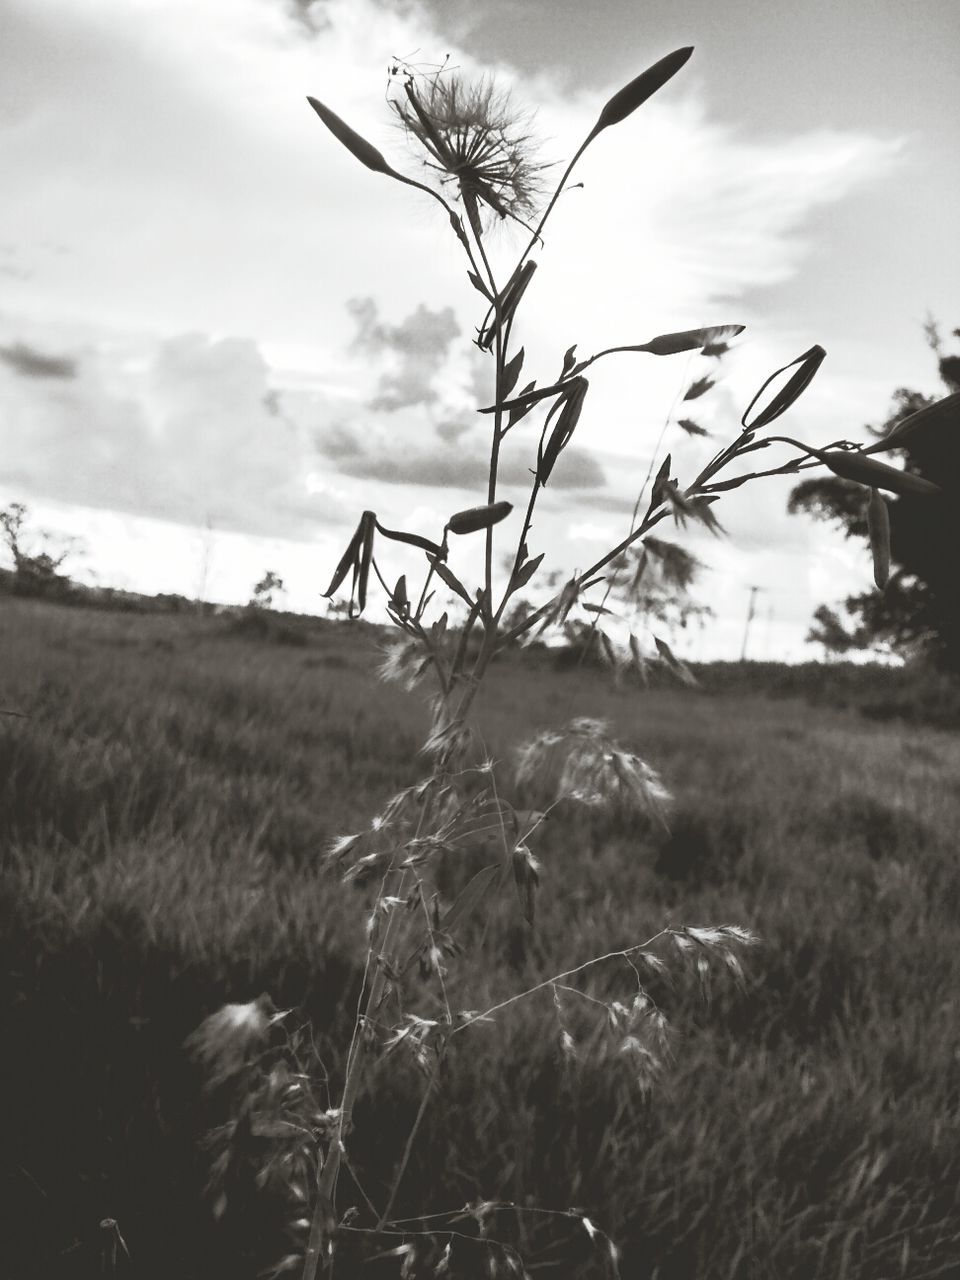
<point x="30" y="363"/>
<point x="184" y="429"/>
<point x="418" y="344"/>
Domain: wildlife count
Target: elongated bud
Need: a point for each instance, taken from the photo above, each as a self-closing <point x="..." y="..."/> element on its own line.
<point x="476" y="518"/>
<point x="670" y="344"/>
<point x="791" y="390"/>
<point x="365" y="151"/>
<point x="855" y="466"/>
<point x="634" y="94"/>
<point x="945" y="413"/>
<point x="878" y="523"/>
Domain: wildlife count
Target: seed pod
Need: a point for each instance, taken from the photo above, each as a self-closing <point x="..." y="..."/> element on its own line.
<point x="364" y="151"/>
<point x="476" y="518"/>
<point x="855" y="466"/>
<point x="878" y="523"/>
<point x="626" y="100"/>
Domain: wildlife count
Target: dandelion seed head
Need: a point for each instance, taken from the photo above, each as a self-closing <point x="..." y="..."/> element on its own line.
<point x="475" y="136"/>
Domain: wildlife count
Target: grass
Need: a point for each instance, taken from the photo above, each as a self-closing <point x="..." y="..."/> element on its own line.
<point x="164" y="808"/>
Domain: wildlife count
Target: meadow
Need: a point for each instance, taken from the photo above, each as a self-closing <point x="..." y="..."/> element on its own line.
<point x="167" y="796"/>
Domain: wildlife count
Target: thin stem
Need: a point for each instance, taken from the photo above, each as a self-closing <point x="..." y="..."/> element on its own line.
<point x="623" y="953"/>
<point x="411" y="1138"/>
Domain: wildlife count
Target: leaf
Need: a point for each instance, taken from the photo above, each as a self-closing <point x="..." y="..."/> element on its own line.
<point x="692" y="428"/>
<point x="364" y="151"/>
<point x="525" y="573"/>
<point x="679" y="669"/>
<point x="698" y="388"/>
<point x="473" y="894"/>
<point x="792" y="389"/>
<point x="878" y="524"/>
<point x="476" y="518"/>
<point x="511" y="372"/>
<point x="526" y="874"/>
<point x="509" y="301"/>
<point x="855" y="466"/>
<point x="411" y="539"/>
<point x="361" y="576"/>
<point x="639" y="661"/>
<point x="660" y="480"/>
<point x="448" y="577"/>
<point x="633" y="95"/>
<point x="598" y="609"/>
<point x="569" y="359"/>
<point x="347" y="560"/>
<point x="478" y="284"/>
<point x="572" y="406"/>
<point x="519" y="412"/>
<point x="399" y="599"/>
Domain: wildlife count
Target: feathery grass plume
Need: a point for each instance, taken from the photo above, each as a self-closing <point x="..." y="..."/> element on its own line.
<point x="475" y="137"/>
<point x="225" y="1041"/>
<point x="583" y="763"/>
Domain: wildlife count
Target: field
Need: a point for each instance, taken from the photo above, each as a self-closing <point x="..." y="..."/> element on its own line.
<point x="166" y="802"/>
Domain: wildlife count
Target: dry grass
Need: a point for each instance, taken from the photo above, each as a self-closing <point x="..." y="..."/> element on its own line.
<point x="163" y="811"/>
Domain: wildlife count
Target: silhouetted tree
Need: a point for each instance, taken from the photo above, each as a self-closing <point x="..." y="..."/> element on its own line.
<point x="36" y="573"/>
<point x="919" y="610"/>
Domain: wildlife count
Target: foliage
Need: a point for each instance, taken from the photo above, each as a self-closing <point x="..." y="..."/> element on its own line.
<point x="36" y="573"/>
<point x="918" y="611"/>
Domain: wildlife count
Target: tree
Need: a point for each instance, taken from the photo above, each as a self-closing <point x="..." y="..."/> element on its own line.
<point x="918" y="611"/>
<point x="36" y="573"/>
<point x="263" y="592"/>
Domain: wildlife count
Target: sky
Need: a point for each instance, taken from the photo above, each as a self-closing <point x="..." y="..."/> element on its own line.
<point x="221" y="338"/>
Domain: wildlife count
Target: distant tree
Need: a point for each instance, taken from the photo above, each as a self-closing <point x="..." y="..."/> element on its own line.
<point x="36" y="573"/>
<point x="263" y="593"/>
<point x="918" y="612"/>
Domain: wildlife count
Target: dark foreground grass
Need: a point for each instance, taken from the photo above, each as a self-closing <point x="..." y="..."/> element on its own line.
<point x="163" y="811"/>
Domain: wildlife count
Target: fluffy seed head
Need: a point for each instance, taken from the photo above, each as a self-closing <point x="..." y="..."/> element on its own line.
<point x="474" y="136"/>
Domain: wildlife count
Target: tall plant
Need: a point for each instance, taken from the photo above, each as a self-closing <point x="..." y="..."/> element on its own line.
<point x="415" y="999"/>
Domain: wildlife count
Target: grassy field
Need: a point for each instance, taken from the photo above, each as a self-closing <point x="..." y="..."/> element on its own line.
<point x="165" y="806"/>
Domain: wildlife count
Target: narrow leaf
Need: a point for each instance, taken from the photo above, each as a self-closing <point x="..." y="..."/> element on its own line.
<point x="448" y="577"/>
<point x="792" y="389"/>
<point x="511" y="372"/>
<point x="878" y="523"/>
<point x="519" y="412"/>
<point x="569" y="359"/>
<point x="347" y="560"/>
<point x="476" y="518"/>
<point x="473" y="894"/>
<point x="567" y="420"/>
<point x="679" y="669"/>
<point x="361" y="575"/>
<point x="478" y="284"/>
<point x="633" y="95"/>
<point x="525" y="573"/>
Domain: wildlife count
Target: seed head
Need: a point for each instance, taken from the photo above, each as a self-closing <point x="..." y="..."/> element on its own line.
<point x="475" y="137"/>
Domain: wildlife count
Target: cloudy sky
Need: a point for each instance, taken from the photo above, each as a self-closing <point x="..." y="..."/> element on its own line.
<point x="221" y="338"/>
